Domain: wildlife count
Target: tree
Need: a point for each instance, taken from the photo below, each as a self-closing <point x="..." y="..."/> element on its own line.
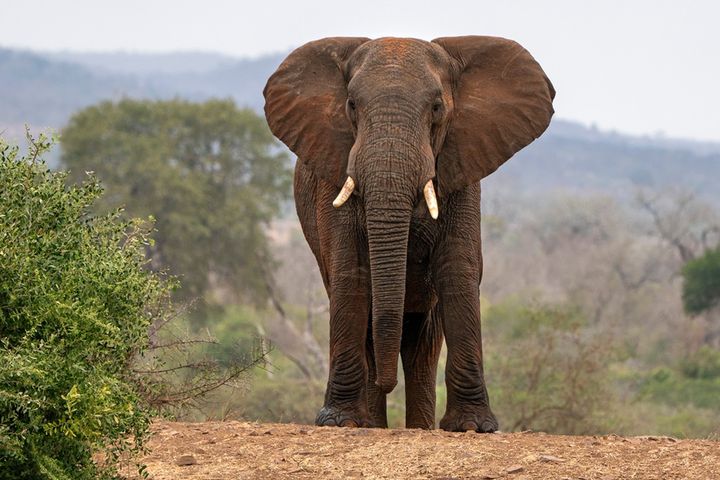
<point x="701" y="283"/>
<point x="76" y="304"/>
<point x="691" y="227"/>
<point x="211" y="174"/>
<point x="680" y="219"/>
<point x="547" y="368"/>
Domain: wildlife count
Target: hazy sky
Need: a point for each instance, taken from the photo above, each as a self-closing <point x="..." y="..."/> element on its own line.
<point x="637" y="66"/>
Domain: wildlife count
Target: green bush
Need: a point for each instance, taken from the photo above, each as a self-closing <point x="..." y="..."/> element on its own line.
<point x="195" y="375"/>
<point x="276" y="392"/>
<point x="670" y="387"/>
<point x="76" y="304"/>
<point x="547" y="368"/>
<point x="705" y="363"/>
<point x="701" y="283"/>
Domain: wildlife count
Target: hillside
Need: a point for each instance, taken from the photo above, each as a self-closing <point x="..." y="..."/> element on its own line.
<point x="141" y="64"/>
<point x="611" y="165"/>
<point x="44" y="93"/>
<point x="45" y="89"/>
<point x="241" y="450"/>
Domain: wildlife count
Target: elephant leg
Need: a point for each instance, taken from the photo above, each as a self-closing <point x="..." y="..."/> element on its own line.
<point x="377" y="400"/>
<point x="346" y="393"/>
<point x="468" y="406"/>
<point x="420" y="350"/>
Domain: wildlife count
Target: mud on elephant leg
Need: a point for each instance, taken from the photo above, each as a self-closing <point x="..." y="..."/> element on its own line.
<point x="420" y="350"/>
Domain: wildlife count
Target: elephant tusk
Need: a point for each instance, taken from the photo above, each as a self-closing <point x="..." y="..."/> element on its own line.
<point x="345" y="193"/>
<point x="430" y="199"/>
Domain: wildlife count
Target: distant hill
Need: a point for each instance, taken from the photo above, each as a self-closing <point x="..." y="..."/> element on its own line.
<point x="44" y="90"/>
<point x="126" y="63"/>
<point x="242" y="80"/>
<point x="571" y="157"/>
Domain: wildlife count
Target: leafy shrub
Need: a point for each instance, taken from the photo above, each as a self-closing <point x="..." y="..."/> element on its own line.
<point x="278" y="391"/>
<point x="190" y="374"/>
<point x="547" y="369"/>
<point x="705" y="363"/>
<point x="76" y="305"/>
<point x="701" y="283"/>
<point x="671" y="387"/>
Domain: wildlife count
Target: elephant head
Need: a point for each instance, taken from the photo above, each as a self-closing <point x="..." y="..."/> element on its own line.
<point x="386" y="118"/>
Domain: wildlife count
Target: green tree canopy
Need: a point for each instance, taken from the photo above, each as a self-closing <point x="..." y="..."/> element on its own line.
<point x="211" y="174"/>
<point x="701" y="282"/>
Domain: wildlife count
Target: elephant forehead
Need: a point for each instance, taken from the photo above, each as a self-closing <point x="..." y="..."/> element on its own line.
<point x="397" y="47"/>
<point x="391" y="49"/>
<point x="407" y="56"/>
<point x="404" y="62"/>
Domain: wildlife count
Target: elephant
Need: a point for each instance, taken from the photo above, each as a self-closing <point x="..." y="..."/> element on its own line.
<point x="392" y="137"/>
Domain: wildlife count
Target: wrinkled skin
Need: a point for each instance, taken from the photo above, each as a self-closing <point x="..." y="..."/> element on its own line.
<point x="392" y="114"/>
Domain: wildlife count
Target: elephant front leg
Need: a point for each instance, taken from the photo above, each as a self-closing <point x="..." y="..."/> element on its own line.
<point x="346" y="394"/>
<point x="468" y="406"/>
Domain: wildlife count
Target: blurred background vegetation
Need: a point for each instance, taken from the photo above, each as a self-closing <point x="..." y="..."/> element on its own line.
<point x="600" y="293"/>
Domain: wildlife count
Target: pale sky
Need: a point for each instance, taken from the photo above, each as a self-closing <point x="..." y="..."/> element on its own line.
<point x="636" y="66"/>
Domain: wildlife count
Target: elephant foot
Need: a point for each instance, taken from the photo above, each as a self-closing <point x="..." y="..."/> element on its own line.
<point x="378" y="422"/>
<point x="477" y="419"/>
<point x="337" y="417"/>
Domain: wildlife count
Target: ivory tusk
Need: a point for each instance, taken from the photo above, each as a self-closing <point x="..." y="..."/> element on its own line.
<point x="345" y="193"/>
<point x="430" y="199"/>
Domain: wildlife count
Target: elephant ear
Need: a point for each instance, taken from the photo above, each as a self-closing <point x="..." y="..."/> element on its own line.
<point x="502" y="102"/>
<point x="305" y="105"/>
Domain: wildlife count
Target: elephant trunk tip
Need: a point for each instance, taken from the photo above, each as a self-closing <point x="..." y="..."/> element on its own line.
<point x="386" y="386"/>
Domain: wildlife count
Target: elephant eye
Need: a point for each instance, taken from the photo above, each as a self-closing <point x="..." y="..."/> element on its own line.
<point x="437" y="110"/>
<point x="350" y="110"/>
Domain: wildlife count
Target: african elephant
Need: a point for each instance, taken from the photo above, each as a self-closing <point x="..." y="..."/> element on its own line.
<point x="404" y="130"/>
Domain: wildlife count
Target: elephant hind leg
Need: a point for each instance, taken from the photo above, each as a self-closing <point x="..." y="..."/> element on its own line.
<point x="377" y="400"/>
<point x="421" y="344"/>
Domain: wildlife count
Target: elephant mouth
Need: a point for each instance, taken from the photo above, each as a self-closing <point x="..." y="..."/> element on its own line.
<point x="428" y="193"/>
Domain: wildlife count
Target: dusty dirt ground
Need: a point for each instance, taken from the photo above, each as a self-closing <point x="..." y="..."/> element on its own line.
<point x="238" y="450"/>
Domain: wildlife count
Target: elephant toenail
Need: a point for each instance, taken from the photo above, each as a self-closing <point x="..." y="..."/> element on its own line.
<point x="348" y="423"/>
<point x="487" y="426"/>
<point x="468" y="426"/>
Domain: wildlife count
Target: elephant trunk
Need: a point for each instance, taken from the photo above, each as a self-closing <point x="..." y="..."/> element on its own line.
<point x="392" y="161"/>
<point x="388" y="222"/>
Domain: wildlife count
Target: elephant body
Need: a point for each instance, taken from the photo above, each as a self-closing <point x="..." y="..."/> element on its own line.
<point x="338" y="236"/>
<point x="401" y="119"/>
